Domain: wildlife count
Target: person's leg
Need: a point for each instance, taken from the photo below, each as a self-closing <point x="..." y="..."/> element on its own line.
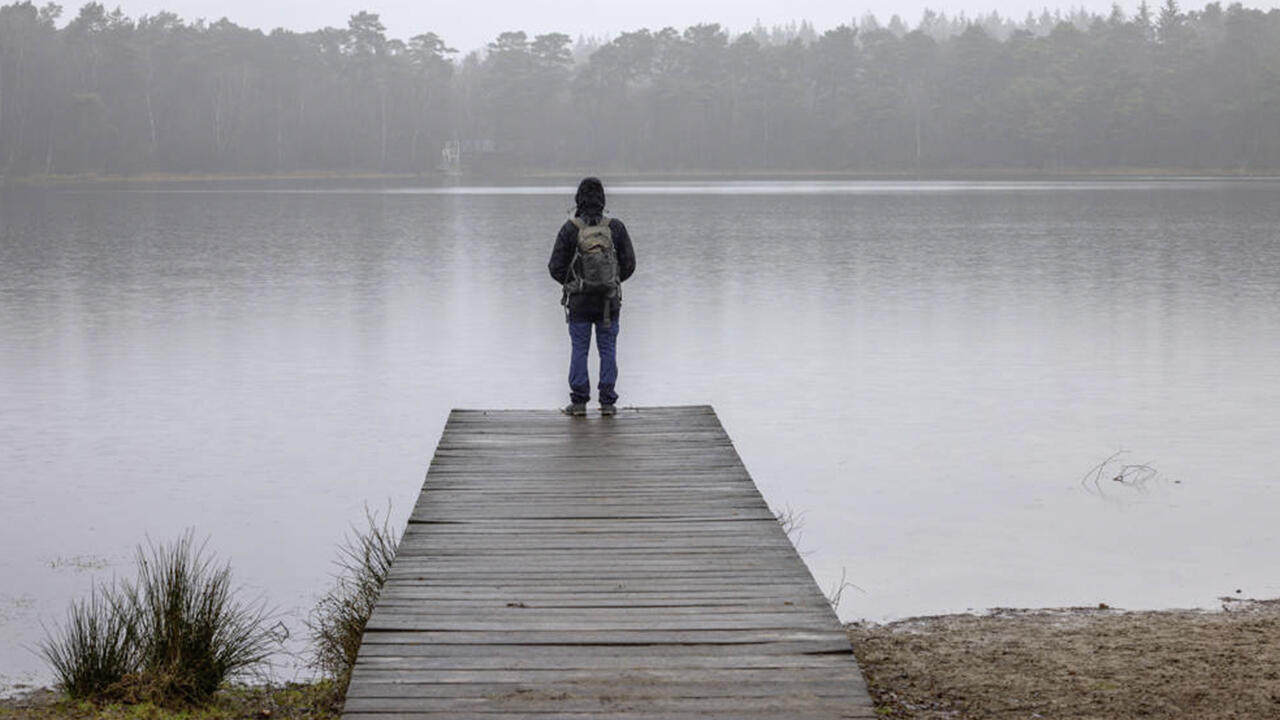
<point x="607" y="346"/>
<point x="579" y="380"/>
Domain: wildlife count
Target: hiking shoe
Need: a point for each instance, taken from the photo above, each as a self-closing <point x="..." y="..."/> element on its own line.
<point x="609" y="409"/>
<point x="574" y="409"/>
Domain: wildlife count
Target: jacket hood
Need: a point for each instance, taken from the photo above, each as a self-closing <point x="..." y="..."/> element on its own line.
<point x="590" y="199"/>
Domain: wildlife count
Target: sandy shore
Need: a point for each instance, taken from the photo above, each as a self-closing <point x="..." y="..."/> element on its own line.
<point x="1077" y="663"/>
<point x="1071" y="663"/>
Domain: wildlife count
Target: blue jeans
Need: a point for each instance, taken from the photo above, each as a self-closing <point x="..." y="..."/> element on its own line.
<point x="606" y="345"/>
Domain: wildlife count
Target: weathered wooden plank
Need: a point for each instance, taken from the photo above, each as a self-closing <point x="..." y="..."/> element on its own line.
<point x="572" y="605"/>
<point x="657" y="618"/>
<point x="592" y="567"/>
<point x="663" y="688"/>
<point x="632" y="525"/>
<point x="534" y="661"/>
<point x="437" y="538"/>
<point x="535" y="700"/>
<point x="465" y="489"/>
<point x="601" y="637"/>
<point x="520" y="612"/>
<point x="838" y="688"/>
<point x="444" y="543"/>
<point x="621" y="476"/>
<point x="499" y="506"/>
<point x="628" y="565"/>
<point x="540" y="572"/>
<point x="367" y="673"/>
<point x="670" y="578"/>
<point x="831" y="646"/>
<point x="853" y="711"/>
<point x="467" y="598"/>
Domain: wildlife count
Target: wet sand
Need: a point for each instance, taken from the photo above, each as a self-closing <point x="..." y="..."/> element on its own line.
<point x="1077" y="663"/>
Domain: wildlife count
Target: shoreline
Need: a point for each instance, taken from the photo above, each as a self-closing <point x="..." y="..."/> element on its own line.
<point x="1050" y="663"/>
<point x="1073" y="663"/>
<point x="517" y="177"/>
<point x="284" y="701"/>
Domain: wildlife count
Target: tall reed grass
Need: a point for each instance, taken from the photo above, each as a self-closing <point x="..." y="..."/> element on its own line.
<point x="173" y="635"/>
<point x="338" y="620"/>
<point x="193" y="632"/>
<point x="93" y="650"/>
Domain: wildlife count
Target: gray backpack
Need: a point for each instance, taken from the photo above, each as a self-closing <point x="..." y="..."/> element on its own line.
<point x="594" y="269"/>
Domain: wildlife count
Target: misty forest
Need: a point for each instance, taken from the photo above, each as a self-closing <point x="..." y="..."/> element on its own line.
<point x="1153" y="89"/>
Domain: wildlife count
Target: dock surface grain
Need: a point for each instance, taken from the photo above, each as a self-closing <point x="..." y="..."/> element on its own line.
<point x="598" y="567"/>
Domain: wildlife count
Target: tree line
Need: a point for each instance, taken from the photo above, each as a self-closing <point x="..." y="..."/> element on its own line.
<point x="1152" y="89"/>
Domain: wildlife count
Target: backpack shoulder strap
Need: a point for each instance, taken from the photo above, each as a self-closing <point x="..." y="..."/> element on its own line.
<point x="578" y="223"/>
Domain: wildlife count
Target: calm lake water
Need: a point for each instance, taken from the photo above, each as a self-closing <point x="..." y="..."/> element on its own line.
<point x="925" y="371"/>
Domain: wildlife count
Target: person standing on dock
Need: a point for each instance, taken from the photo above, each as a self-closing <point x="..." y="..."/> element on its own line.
<point x="591" y="259"/>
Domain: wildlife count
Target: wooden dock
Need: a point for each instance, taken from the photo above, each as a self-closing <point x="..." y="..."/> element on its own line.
<point x="599" y="567"/>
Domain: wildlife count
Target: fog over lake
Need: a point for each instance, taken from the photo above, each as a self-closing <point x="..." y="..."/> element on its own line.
<point x="927" y="372"/>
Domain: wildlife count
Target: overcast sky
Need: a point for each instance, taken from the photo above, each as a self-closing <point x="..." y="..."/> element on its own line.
<point x="469" y="24"/>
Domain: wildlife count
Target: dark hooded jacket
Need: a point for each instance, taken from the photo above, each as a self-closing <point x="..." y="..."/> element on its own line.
<point x="590" y="207"/>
